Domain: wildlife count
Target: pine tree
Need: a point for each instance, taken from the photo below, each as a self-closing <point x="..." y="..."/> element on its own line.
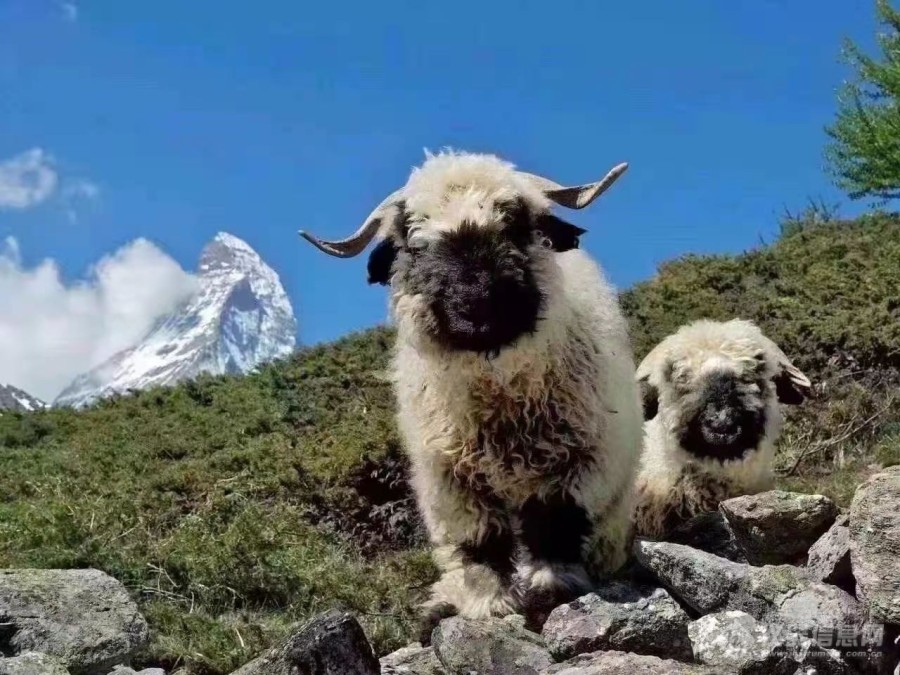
<point x="864" y="154"/>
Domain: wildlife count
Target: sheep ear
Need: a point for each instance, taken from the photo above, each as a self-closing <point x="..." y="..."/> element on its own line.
<point x="381" y="260"/>
<point x="649" y="398"/>
<point x="791" y="386"/>
<point x="649" y="392"/>
<point x="563" y="236"/>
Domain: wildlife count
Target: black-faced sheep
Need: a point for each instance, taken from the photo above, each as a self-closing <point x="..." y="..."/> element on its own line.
<point x="515" y="381"/>
<point x="711" y="400"/>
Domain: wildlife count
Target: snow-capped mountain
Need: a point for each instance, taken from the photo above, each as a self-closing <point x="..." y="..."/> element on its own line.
<point x="12" y="398"/>
<point x="239" y="318"/>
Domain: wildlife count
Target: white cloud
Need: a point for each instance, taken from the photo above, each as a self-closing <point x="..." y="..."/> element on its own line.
<point x="51" y="331"/>
<point x="76" y="192"/>
<point x="81" y="188"/>
<point x="69" y="11"/>
<point x="27" y="179"/>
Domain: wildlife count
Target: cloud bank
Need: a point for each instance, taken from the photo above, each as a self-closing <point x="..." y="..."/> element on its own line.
<point x="51" y="331"/>
<point x="27" y="179"/>
<point x="69" y="11"/>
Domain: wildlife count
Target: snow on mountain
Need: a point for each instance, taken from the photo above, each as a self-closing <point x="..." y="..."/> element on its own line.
<point x="239" y="318"/>
<point x="12" y="398"/>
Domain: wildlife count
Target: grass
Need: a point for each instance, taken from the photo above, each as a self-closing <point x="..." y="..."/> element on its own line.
<point x="233" y="507"/>
<point x="208" y="502"/>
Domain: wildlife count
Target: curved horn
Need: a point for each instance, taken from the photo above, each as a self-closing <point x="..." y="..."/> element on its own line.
<point x="356" y="242"/>
<point x="576" y="196"/>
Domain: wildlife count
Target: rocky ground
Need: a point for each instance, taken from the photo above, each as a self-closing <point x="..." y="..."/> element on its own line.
<point x="772" y="583"/>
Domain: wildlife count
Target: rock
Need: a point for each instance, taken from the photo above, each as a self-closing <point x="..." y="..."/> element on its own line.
<point x="875" y="544"/>
<point x="623" y="617"/>
<point x="32" y="663"/>
<point x="85" y="618"/>
<point x="816" y="605"/>
<point x="489" y="647"/>
<point x="413" y="660"/>
<point x="702" y="580"/>
<point x="781" y="593"/>
<point x="123" y="670"/>
<point x="331" y="644"/>
<point x="829" y="557"/>
<point x="738" y="643"/>
<point x="778" y="527"/>
<point x="619" y="663"/>
<point x="708" y="532"/>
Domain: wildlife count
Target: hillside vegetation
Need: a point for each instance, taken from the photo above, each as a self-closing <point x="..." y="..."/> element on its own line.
<point x="232" y="507"/>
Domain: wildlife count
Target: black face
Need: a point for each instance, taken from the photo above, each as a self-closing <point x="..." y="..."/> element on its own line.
<point x="724" y="418"/>
<point x="479" y="282"/>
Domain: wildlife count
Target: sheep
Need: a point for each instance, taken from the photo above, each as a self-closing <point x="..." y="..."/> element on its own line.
<point x="711" y="394"/>
<point x="514" y="378"/>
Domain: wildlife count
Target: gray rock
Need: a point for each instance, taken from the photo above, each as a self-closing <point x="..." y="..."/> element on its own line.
<point x="817" y="605"/>
<point x="703" y="581"/>
<point x="829" y="557"/>
<point x="489" y="647"/>
<point x="124" y="670"/>
<point x="32" y="663"/>
<point x="331" y="644"/>
<point x="737" y="643"/>
<point x="85" y="618"/>
<point x="875" y="544"/>
<point x="708" y="532"/>
<point x="621" y="617"/>
<point x="781" y="593"/>
<point x="412" y="660"/>
<point x="619" y="663"/>
<point x="778" y="527"/>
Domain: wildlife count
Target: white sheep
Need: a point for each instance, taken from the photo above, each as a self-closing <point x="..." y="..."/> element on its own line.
<point x="711" y="400"/>
<point x="515" y="382"/>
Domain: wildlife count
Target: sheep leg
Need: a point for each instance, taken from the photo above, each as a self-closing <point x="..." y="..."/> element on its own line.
<point x="474" y="549"/>
<point x="554" y="531"/>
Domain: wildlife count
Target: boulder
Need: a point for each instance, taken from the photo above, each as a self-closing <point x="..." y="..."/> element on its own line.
<point x="778" y="527"/>
<point x="701" y="580"/>
<point x="829" y="557"/>
<point x="708" y="532"/>
<point x="619" y="616"/>
<point x="123" y="670"/>
<point x="84" y="618"/>
<point x="412" y="660"/>
<point x="489" y="647"/>
<point x="875" y="544"/>
<point x="619" y="663"/>
<point x="780" y="593"/>
<point x="331" y="644"/>
<point x="32" y="663"/>
<point x="737" y="643"/>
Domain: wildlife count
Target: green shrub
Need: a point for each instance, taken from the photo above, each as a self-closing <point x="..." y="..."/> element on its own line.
<point x="219" y="502"/>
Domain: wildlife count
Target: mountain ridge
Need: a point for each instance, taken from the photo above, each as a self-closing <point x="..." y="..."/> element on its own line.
<point x="239" y="317"/>
<point x="16" y="400"/>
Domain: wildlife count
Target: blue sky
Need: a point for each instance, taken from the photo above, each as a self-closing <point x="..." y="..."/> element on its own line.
<point x="171" y="121"/>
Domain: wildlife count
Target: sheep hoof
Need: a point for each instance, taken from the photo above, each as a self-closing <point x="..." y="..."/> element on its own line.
<point x="537" y="603"/>
<point x="431" y="617"/>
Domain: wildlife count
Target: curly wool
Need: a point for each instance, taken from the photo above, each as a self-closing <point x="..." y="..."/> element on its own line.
<point x="556" y="411"/>
<point x="674" y="484"/>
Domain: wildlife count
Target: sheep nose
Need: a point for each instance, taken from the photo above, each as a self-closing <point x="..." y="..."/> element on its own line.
<point x="720" y="419"/>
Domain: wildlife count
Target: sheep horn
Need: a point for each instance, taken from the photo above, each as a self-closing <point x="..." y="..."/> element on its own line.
<point x="577" y="196"/>
<point x="356" y="242"/>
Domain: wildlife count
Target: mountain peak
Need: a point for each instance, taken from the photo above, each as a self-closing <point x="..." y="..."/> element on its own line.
<point x="239" y="317"/>
<point x="13" y="398"/>
<point x="226" y="251"/>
